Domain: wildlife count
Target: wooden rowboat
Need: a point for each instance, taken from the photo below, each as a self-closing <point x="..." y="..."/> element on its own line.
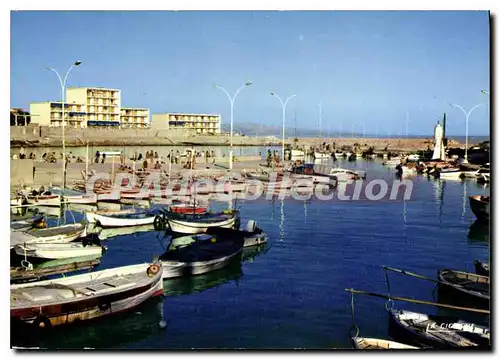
<point x="374" y="343"/>
<point x="61" y="234"/>
<point x="86" y="296"/>
<point x="463" y="288"/>
<point x="433" y="331"/>
<point x="125" y="220"/>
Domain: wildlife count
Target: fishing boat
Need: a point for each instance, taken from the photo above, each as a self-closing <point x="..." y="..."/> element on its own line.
<point x="186" y="208"/>
<point x="393" y="162"/>
<point x="125" y="219"/>
<point x="57" y="250"/>
<point x="454" y="173"/>
<point x="107" y="195"/>
<point x="28" y="223"/>
<point x="463" y="288"/>
<point x="199" y="254"/>
<point x="91" y="216"/>
<point x="86" y="296"/>
<point x="307" y="171"/>
<point x="321" y="155"/>
<point x="406" y="169"/>
<point x="482" y="268"/>
<point x="60" y="234"/>
<point x="413" y="157"/>
<point x="433" y="331"/>
<point x="193" y="224"/>
<point x="253" y="235"/>
<point x="297" y="154"/>
<point x="44" y="199"/>
<point x="480" y="206"/>
<point x="344" y="174"/>
<point x="375" y="343"/>
<point x="70" y="196"/>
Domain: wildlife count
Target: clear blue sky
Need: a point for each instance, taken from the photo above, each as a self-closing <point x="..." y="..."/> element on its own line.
<point x="365" y="67"/>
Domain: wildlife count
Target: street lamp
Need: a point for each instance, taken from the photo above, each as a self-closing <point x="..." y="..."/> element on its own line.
<point x="231" y="100"/>
<point x="283" y="107"/>
<point x="467" y="114"/>
<point x="63" y="86"/>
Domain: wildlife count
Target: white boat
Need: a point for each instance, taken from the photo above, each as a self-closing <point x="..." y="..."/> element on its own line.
<point x="375" y="343"/>
<point x="454" y="174"/>
<point x="413" y="157"/>
<point x="44" y="200"/>
<point x="61" y="234"/>
<point x="321" y="155"/>
<point x="86" y="296"/>
<point x="125" y="219"/>
<point x="57" y="250"/>
<point x="200" y="224"/>
<point x="393" y="162"/>
<point x="91" y="216"/>
<point x="298" y="154"/>
<point x="70" y="196"/>
<point x="343" y="174"/>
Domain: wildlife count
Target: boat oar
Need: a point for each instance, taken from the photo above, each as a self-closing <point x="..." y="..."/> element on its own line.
<point x="416" y="301"/>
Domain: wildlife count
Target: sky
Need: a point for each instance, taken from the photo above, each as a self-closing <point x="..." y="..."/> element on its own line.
<point x="370" y="70"/>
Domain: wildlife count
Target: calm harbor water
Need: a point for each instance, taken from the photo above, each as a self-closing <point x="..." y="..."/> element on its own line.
<point x="291" y="293"/>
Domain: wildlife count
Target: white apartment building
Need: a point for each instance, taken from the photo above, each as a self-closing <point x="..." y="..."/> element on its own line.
<point x="134" y="117"/>
<point x="192" y="122"/>
<point x="49" y="113"/>
<point x="102" y="105"/>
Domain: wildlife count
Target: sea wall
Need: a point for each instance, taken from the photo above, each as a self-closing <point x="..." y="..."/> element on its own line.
<point x="21" y="172"/>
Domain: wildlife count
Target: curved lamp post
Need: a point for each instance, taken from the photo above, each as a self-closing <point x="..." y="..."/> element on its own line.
<point x="283" y="107"/>
<point x="467" y="114"/>
<point x="63" y="86"/>
<point x="231" y="100"/>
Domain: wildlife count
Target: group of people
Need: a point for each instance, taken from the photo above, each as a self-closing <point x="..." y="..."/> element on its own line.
<point x="273" y="160"/>
<point x="98" y="157"/>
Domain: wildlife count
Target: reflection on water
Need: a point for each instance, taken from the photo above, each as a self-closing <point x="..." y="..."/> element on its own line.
<point x="479" y="233"/>
<point x="282" y="220"/>
<point x="111" y="332"/>
<point x="199" y="283"/>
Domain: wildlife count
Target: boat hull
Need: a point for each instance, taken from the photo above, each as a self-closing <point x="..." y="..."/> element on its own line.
<point x="108" y="221"/>
<point x="85" y="306"/>
<point x="57" y="251"/>
<point x="192" y="227"/>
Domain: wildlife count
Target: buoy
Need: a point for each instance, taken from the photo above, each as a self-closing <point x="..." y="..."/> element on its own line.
<point x="153" y="269"/>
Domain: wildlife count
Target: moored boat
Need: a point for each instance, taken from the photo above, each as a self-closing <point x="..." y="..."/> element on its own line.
<point x="185" y="208"/>
<point x="434" y="331"/>
<point x="192" y="224"/>
<point x="60" y="234"/>
<point x="480" y="206"/>
<point x="125" y="219"/>
<point x="85" y="296"/>
<point x="377" y="344"/>
<point x="463" y="288"/>
<point x="57" y="250"/>
<point x="321" y="155"/>
<point x="200" y="253"/>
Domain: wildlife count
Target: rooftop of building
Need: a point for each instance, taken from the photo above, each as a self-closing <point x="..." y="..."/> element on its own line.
<point x="92" y="88"/>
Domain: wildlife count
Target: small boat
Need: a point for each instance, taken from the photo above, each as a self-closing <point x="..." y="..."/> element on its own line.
<point x="192" y="224"/>
<point x="393" y="162"/>
<point x="307" y="171"/>
<point x="321" y="155"/>
<point x="463" y="288"/>
<point x="253" y="235"/>
<point x="480" y="206"/>
<point x="60" y="234"/>
<point x="454" y="173"/>
<point x="404" y="169"/>
<point x="126" y="219"/>
<point x="344" y="174"/>
<point x="482" y="268"/>
<point x="91" y="216"/>
<point x="413" y="157"/>
<point x="375" y="343"/>
<point x="434" y="331"/>
<point x="201" y="253"/>
<point x="70" y="196"/>
<point x="86" y="296"/>
<point x="186" y="208"/>
<point x="26" y="224"/>
<point x="298" y="154"/>
<point x="57" y="250"/>
<point x="44" y="200"/>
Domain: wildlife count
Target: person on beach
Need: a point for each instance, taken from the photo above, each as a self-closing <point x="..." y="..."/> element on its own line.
<point x="140" y="157"/>
<point x="97" y="157"/>
<point x="103" y="158"/>
<point x="156" y="155"/>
